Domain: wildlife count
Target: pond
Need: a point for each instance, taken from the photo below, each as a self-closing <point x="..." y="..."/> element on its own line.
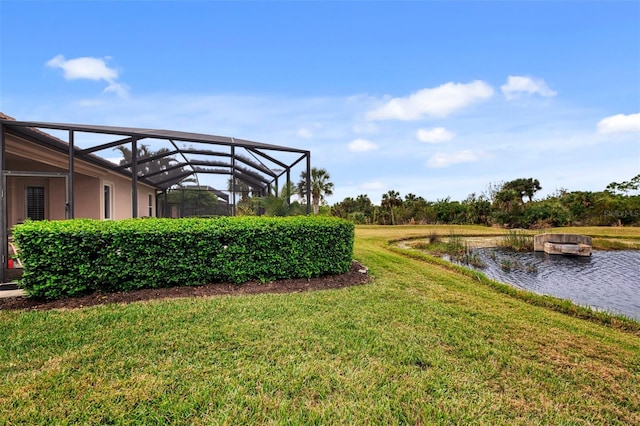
<point x="608" y="280"/>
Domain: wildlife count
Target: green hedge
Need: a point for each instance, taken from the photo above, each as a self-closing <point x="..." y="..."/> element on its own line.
<point x="73" y="257"/>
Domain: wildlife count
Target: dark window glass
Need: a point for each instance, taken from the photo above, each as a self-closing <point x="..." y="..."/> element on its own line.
<point x="35" y="202"/>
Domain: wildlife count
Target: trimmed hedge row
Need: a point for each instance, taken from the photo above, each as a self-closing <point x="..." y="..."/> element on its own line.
<point x="74" y="257"/>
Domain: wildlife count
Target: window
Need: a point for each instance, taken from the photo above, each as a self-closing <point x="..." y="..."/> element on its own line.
<point x="34" y="202"/>
<point x="150" y="205"/>
<point x="108" y="201"/>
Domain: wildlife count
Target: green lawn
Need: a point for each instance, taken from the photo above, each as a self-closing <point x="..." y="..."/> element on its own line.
<point x="420" y="344"/>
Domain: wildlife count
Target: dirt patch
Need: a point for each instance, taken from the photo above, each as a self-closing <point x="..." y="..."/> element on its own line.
<point x="484" y="241"/>
<point x="356" y="276"/>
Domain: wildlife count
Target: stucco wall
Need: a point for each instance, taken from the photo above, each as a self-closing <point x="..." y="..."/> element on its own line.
<point x="89" y="181"/>
<point x="54" y="197"/>
<point x="85" y="204"/>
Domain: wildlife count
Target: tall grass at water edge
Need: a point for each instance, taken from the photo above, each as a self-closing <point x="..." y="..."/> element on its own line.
<point x="517" y="240"/>
<point x="455" y="248"/>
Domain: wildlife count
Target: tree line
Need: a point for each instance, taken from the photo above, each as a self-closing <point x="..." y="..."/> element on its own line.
<point x="507" y="204"/>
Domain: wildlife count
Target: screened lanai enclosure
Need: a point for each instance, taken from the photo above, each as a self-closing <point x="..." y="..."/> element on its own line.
<point x="64" y="171"/>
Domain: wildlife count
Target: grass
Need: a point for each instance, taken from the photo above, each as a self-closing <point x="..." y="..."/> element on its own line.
<point x="455" y="247"/>
<point x="518" y="240"/>
<point x="615" y="244"/>
<point x="423" y="343"/>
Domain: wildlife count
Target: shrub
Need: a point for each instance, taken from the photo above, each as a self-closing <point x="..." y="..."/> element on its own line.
<point x="73" y="257"/>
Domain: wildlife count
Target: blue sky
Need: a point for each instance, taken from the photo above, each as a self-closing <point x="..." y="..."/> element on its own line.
<point x="433" y="98"/>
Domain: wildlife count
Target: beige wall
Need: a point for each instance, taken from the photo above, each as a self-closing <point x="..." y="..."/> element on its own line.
<point x="89" y="181"/>
<point x="122" y="197"/>
<point x="85" y="204"/>
<point x="54" y="191"/>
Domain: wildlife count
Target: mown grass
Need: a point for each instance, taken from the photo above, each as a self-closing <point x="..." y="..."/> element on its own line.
<point x="421" y="344"/>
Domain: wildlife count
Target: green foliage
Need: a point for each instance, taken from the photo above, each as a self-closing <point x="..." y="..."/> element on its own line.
<point x="509" y="204"/>
<point x="390" y="201"/>
<point x="359" y="211"/>
<point x="67" y="258"/>
<point x="625" y="187"/>
<point x="508" y="201"/>
<point x="478" y="209"/>
<point x="196" y="202"/>
<point x="544" y="214"/>
<point x="280" y="205"/>
<point x="158" y="166"/>
<point x="319" y="186"/>
<point x="523" y="188"/>
<point x="448" y="211"/>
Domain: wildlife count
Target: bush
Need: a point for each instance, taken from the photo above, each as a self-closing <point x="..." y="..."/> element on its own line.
<point x="73" y="257"/>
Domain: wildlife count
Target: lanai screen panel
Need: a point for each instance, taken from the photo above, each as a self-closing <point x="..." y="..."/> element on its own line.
<point x="165" y="158"/>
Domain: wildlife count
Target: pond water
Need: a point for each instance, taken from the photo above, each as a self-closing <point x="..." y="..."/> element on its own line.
<point x="608" y="280"/>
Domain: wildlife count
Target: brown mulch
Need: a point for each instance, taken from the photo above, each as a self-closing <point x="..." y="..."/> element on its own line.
<point x="356" y="276"/>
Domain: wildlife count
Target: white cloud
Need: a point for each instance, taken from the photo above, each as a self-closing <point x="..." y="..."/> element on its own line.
<point x="517" y="85"/>
<point x="447" y="159"/>
<point x="619" y="124"/>
<point x="435" y="135"/>
<point x="362" y="145"/>
<point x="120" y="89"/>
<point x="304" y="133"/>
<point x="438" y="102"/>
<point x="88" y="68"/>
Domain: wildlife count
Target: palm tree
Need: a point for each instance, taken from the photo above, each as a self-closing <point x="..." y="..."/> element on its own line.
<point x="161" y="169"/>
<point x="280" y="205"/>
<point x="320" y="186"/>
<point x="241" y="187"/>
<point x="390" y="200"/>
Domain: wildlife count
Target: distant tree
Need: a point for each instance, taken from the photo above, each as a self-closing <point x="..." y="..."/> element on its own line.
<point x="545" y="213"/>
<point x="523" y="188"/>
<point x="508" y="200"/>
<point x="624" y="187"/>
<point x="343" y="208"/>
<point x="491" y="189"/>
<point x="359" y="210"/>
<point x="579" y="204"/>
<point x="193" y="202"/>
<point x="242" y="188"/>
<point x="390" y="200"/>
<point x="478" y="209"/>
<point x="448" y="211"/>
<point x="161" y="169"/>
<point x="413" y="209"/>
<point x="320" y="186"/>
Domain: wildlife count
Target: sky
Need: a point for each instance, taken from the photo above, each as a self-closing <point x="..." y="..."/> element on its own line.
<point x="439" y="99"/>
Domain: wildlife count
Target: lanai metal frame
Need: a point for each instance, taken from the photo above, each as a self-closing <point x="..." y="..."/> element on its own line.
<point x="256" y="170"/>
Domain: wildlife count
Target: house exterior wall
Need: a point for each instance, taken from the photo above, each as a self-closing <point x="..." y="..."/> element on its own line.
<point x="16" y="190"/>
<point x="85" y="204"/>
<point x="89" y="180"/>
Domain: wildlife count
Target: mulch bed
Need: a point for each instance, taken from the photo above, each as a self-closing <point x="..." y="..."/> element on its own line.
<point x="356" y="276"/>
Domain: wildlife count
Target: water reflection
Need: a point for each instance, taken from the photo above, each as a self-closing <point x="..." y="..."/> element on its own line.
<point x="608" y="280"/>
